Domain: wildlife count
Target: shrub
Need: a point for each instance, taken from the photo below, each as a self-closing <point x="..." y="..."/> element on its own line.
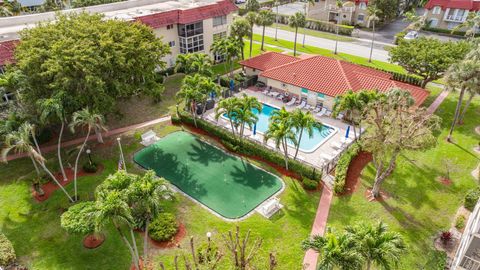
<point x="342" y="167"/>
<point x="460" y="222"/>
<point x="309" y="184"/>
<point x="163" y="228"/>
<point x="207" y="254"/>
<point x="471" y="198"/>
<point x="399" y="36"/>
<point x="7" y="253"/>
<point x="446" y="237"/>
<point x="446" y="31"/>
<point x="90" y="167"/>
<point x="78" y="219"/>
<point x="137" y="135"/>
<point x="251" y="148"/>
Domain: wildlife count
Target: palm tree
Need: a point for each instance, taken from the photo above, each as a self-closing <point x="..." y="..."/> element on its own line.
<point x="207" y="87"/>
<point x="265" y="18"/>
<point x="194" y="63"/>
<point x="239" y="29"/>
<point x="471" y="24"/>
<point x="302" y="121"/>
<point x="339" y="5"/>
<point x="229" y="48"/>
<point x="53" y="108"/>
<point x="247" y="104"/>
<point x="373" y="16"/>
<point x="19" y="142"/>
<point x="111" y="208"/>
<point x="305" y="9"/>
<point x="146" y="195"/>
<point x="416" y="22"/>
<point x="251" y="18"/>
<point x="190" y="94"/>
<point x="252" y="5"/>
<point x="350" y="104"/>
<point x="297" y="20"/>
<point x="473" y="90"/>
<point x="377" y="245"/>
<point x="280" y="130"/>
<point x="336" y="251"/>
<point x="276" y="4"/>
<point x="90" y="120"/>
<point x="230" y="107"/>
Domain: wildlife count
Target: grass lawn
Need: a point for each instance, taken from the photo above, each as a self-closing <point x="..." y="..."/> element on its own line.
<point x="314" y="33"/>
<point x="420" y="206"/>
<point x="325" y="52"/>
<point x="34" y="228"/>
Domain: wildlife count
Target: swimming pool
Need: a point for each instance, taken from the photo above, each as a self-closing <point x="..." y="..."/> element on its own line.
<point x="307" y="144"/>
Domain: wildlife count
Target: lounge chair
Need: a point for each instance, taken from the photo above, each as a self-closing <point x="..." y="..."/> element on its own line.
<point x="336" y="145"/>
<point x="149" y="138"/>
<point x="265" y="92"/>
<point x="328" y="113"/>
<point x="322" y="112"/>
<point x="307" y="107"/>
<point x="327" y="157"/>
<point x="291" y="102"/>
<point x="280" y="97"/>
<point x="340" y="116"/>
<point x="302" y="105"/>
<point x="346" y="140"/>
<point x="317" y="109"/>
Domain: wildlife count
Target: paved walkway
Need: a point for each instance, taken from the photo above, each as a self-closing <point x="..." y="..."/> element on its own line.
<point x="319" y="226"/>
<point x="438" y="101"/>
<point x="50" y="148"/>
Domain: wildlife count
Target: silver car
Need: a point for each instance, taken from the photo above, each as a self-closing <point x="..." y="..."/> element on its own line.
<point x="411" y="35"/>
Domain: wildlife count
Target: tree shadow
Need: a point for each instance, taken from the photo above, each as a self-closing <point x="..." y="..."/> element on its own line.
<point x="205" y="154"/>
<point x="299" y="205"/>
<point x="253" y="177"/>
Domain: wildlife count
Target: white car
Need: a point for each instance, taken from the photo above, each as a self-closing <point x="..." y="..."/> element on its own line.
<point x="411" y="35"/>
<point x="239" y="1"/>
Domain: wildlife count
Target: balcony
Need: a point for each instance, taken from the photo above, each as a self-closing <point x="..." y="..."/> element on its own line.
<point x="334" y="8"/>
<point x="454" y="18"/>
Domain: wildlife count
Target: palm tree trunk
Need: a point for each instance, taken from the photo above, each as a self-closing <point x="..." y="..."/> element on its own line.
<point x="295" y="43"/>
<point x="75" y="170"/>
<point x="98" y="133"/>
<point x="373" y="41"/>
<point x="145" y="242"/>
<point x="125" y="240"/>
<point x="243" y="49"/>
<point x="44" y="167"/>
<point x="134" y="244"/>
<point x="251" y="41"/>
<point x="369" y="264"/>
<point x="35" y="165"/>
<point x="263" y="37"/>
<point x="354" y="131"/>
<point x="298" y="144"/>
<point x="194" y="113"/>
<point x="59" y="147"/>
<point x="36" y="144"/>
<point x="285" y="149"/>
<point x="457" y="112"/>
<point x="231" y="124"/>
<point x="462" y="116"/>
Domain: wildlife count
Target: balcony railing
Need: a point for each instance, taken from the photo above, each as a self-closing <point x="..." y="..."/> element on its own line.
<point x="454" y="18"/>
<point x="470" y="264"/>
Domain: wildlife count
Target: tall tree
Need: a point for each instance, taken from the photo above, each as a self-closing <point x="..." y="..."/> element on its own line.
<point x="207" y="88"/>
<point x="145" y="195"/>
<point x="281" y="131"/>
<point x="252" y="5"/>
<point x="230" y="107"/>
<point x="337" y="251"/>
<point x="428" y="58"/>
<point x="90" y="120"/>
<point x="377" y="245"/>
<point x="471" y="25"/>
<point x="295" y="21"/>
<point x="416" y="22"/>
<point x="246" y="106"/>
<point x="230" y="49"/>
<point x="239" y="29"/>
<point x="189" y="94"/>
<point x="93" y="60"/>
<point x="389" y="9"/>
<point x="194" y="63"/>
<point x="394" y="126"/>
<point x="303" y="121"/>
<point x="19" y="142"/>
<point x="251" y="18"/>
<point x="373" y="16"/>
<point x="265" y="18"/>
<point x="53" y="108"/>
<point x="339" y="5"/>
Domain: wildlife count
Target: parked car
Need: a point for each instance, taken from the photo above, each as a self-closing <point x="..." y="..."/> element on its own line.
<point x="239" y="1"/>
<point x="411" y="35"/>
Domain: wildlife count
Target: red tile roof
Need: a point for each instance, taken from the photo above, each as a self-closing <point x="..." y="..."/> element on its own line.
<point x="268" y="60"/>
<point x="461" y="4"/>
<point x="334" y="77"/>
<point x="157" y="20"/>
<point x="6" y="51"/>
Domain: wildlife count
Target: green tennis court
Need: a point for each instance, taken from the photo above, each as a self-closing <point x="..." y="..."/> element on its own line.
<point x="228" y="185"/>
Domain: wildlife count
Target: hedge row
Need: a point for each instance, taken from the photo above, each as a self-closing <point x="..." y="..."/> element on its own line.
<point x="249" y="148"/>
<point x="342" y="167"/>
<point x="446" y="31"/>
<point x="345" y="30"/>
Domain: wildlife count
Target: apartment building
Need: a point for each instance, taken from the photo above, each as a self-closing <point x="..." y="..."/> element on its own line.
<point x="447" y="14"/>
<point x="351" y="12"/>
<point x="467" y="256"/>
<point x="186" y="26"/>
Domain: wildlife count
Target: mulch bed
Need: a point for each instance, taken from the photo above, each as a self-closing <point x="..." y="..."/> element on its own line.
<point x="445" y="181"/>
<point x="354" y="171"/>
<point x="50" y="187"/>
<point x="278" y="168"/>
<point x="92" y="241"/>
<point x="175" y="242"/>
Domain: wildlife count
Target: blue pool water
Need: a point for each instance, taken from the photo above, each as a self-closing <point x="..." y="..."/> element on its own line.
<point x="307" y="144"/>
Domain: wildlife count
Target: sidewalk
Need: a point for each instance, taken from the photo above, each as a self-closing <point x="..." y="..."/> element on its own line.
<point x="438" y="101"/>
<point x="319" y="226"/>
<point x="50" y="148"/>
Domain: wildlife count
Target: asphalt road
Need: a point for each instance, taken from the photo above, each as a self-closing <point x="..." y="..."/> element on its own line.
<point x="359" y="47"/>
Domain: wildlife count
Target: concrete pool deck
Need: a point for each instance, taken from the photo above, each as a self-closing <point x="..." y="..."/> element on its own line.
<point x="313" y="158"/>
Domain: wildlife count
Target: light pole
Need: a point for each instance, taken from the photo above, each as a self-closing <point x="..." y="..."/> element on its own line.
<point x="276" y="20"/>
<point x="209" y="236"/>
<point x="89" y="152"/>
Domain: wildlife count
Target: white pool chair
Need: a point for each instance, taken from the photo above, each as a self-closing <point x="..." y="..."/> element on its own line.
<point x="302" y="105"/>
<point x="336" y="145"/>
<point x="291" y="102"/>
<point x="346" y="140"/>
<point x="327" y="157"/>
<point x="317" y="109"/>
<point x="149" y="138"/>
<point x="307" y="107"/>
<point x="340" y="116"/>
<point x="265" y="92"/>
<point x="322" y="112"/>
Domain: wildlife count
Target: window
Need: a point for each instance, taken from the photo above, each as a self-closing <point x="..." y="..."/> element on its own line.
<point x="170" y="26"/>
<point x="436" y="10"/>
<point x="220" y="20"/>
<point x="362" y="5"/>
<point x="192" y="29"/>
<point x="360" y="17"/>
<point x="219" y="35"/>
<point x="171" y="44"/>
<point x="191" y="44"/>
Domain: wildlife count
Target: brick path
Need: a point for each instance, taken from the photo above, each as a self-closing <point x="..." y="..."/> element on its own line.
<point x="438" y="101"/>
<point x="50" y="148"/>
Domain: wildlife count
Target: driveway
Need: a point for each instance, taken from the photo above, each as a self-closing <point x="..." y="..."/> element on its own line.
<point x="386" y="33"/>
